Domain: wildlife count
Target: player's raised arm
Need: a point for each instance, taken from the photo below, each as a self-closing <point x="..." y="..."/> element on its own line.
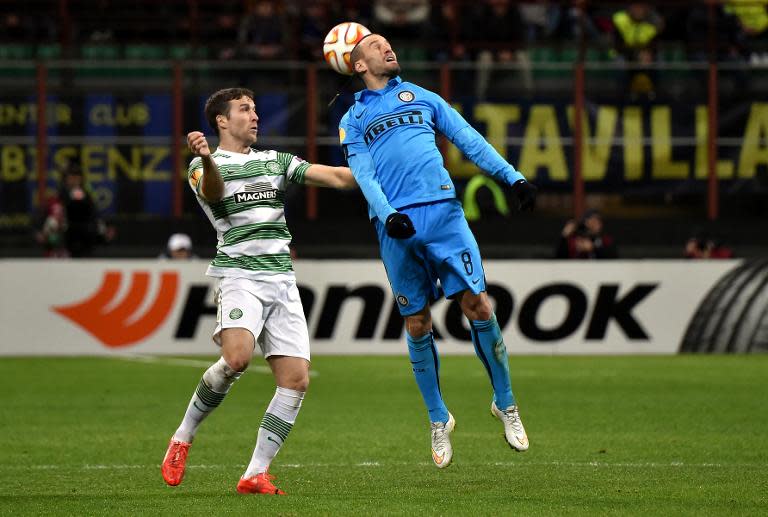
<point x="472" y="143"/>
<point x="212" y="187"/>
<point x="326" y="176"/>
<point x="477" y="149"/>
<point x="481" y="153"/>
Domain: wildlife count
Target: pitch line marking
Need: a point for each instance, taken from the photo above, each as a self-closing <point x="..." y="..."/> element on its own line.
<point x="376" y="464"/>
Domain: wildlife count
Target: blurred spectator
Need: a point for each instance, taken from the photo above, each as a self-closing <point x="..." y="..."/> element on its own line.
<point x="401" y="19"/>
<point x="751" y="14"/>
<point x="451" y="29"/>
<point x="586" y="239"/>
<point x="727" y="35"/>
<point x="600" y="23"/>
<point x="314" y="21"/>
<point x="636" y="29"/>
<point x="179" y="247"/>
<point x="22" y="23"/>
<point x="52" y="235"/>
<point x="220" y="30"/>
<point x="357" y="10"/>
<point x="564" y="22"/>
<point x="704" y="246"/>
<point x="498" y="28"/>
<point x="498" y="34"/>
<point x="536" y="18"/>
<point x="262" y="31"/>
<point x="83" y="228"/>
<point x="98" y="23"/>
<point x="751" y="19"/>
<point x="12" y="28"/>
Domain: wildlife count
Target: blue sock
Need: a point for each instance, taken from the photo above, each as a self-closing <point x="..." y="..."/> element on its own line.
<point x="426" y="370"/>
<point x="490" y="348"/>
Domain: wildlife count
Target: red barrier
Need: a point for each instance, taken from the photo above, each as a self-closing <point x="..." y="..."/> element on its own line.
<point x="42" y="134"/>
<point x="712" y="107"/>
<point x="311" y="136"/>
<point x="178" y="133"/>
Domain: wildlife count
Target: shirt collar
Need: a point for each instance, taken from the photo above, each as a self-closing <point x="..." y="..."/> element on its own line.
<point x="392" y="83"/>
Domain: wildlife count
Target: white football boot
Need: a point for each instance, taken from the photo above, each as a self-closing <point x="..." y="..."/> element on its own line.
<point x="514" y="432"/>
<point x="442" y="452"/>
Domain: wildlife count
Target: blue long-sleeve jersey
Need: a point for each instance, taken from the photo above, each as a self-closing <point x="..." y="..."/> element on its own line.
<point x="388" y="137"/>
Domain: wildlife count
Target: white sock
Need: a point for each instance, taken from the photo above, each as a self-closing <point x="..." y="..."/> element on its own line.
<point x="210" y="392"/>
<point x="277" y="423"/>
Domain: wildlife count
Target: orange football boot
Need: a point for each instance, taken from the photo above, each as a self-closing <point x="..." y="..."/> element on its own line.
<point x="175" y="462"/>
<point x="258" y="484"/>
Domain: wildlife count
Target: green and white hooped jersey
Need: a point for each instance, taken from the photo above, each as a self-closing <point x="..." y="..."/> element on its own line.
<point x="250" y="219"/>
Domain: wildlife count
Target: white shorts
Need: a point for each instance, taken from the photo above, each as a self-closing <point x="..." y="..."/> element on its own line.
<point x="270" y="309"/>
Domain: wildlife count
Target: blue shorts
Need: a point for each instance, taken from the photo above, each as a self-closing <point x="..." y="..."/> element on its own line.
<point x="443" y="249"/>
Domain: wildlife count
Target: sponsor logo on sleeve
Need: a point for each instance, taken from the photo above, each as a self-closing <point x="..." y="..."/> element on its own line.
<point x="194" y="179"/>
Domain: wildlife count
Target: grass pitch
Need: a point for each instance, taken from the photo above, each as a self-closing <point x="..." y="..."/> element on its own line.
<point x="609" y="435"/>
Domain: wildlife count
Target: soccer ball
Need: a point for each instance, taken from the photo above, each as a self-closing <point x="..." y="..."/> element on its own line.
<point x="338" y="45"/>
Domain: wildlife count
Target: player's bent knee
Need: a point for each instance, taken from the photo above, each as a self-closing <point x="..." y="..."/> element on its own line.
<point x="290" y="372"/>
<point x="238" y="360"/>
<point x="483" y="313"/>
<point x="417" y="331"/>
<point x="418" y="324"/>
<point x="237" y="348"/>
<point x="476" y="307"/>
<point x="238" y="363"/>
<point x="302" y="384"/>
<point x="297" y="380"/>
<point x="297" y="383"/>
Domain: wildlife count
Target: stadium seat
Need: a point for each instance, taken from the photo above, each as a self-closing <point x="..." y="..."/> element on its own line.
<point x="543" y="56"/>
<point x="17" y="51"/>
<point x="673" y="54"/>
<point x="52" y="51"/>
<point x="147" y="52"/>
<point x="144" y="51"/>
<point x="180" y="52"/>
<point x="599" y="55"/>
<point x="92" y="52"/>
<point x="188" y="52"/>
<point x="89" y="52"/>
<point x="412" y="53"/>
<point x="13" y="52"/>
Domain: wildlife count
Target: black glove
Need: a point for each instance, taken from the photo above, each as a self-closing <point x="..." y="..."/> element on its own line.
<point x="526" y="195"/>
<point x="399" y="226"/>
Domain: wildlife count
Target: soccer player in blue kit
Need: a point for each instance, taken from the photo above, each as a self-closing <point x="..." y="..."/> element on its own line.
<point x="388" y="138"/>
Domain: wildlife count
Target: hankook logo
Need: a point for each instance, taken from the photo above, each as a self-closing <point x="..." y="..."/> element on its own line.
<point x="599" y="309"/>
<point x="115" y="322"/>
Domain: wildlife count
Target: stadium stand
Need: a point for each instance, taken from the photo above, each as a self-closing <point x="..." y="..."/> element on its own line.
<point x="110" y="86"/>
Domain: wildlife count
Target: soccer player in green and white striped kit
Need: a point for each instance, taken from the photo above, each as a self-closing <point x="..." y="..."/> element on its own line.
<point x="242" y="191"/>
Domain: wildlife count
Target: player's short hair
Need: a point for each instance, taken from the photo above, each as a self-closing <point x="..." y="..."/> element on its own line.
<point x="357" y="52"/>
<point x="218" y="104"/>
